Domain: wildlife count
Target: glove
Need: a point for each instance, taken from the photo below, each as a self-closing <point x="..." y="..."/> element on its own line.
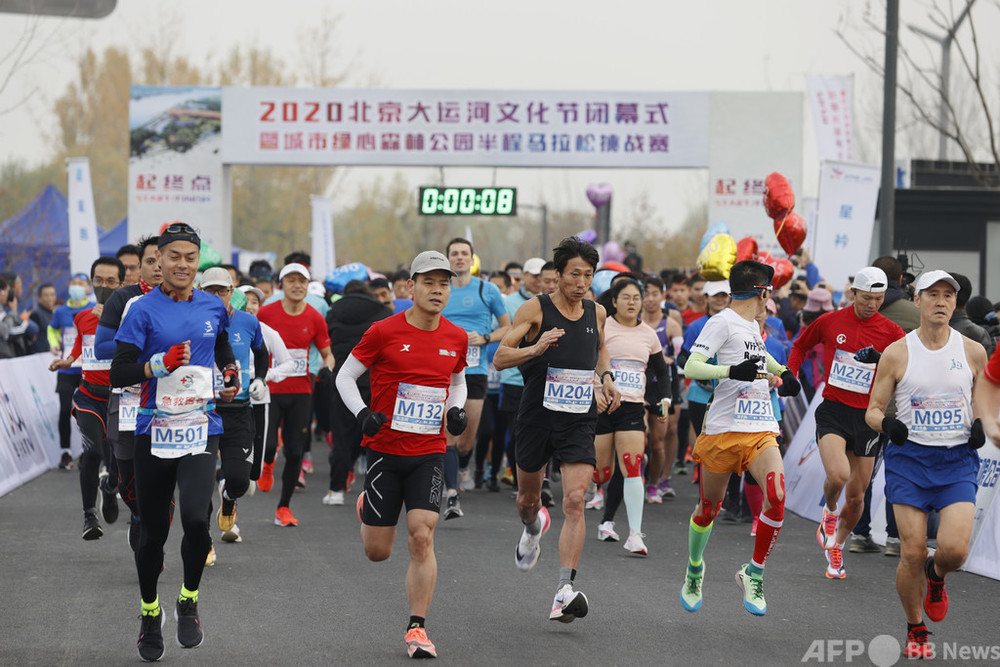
<point x="230" y="376"/>
<point x="172" y="357"/>
<point x="978" y="437"/>
<point x="457" y="421"/>
<point x="867" y="355"/>
<point x="745" y="371"/>
<point x="789" y="384"/>
<point x="371" y="422"/>
<point x="324" y="376"/>
<point x="896" y="430"/>
<point x="258" y="389"/>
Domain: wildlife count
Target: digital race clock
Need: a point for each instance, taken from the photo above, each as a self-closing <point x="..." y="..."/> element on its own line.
<point x="468" y="201"/>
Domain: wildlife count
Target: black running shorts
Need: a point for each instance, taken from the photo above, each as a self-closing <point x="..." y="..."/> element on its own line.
<point x="477" y="386"/>
<point x="628" y="417"/>
<point x="849" y="424"/>
<point x="537" y="444"/>
<point x="392" y="480"/>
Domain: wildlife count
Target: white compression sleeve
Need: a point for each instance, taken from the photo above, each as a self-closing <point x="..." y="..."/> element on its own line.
<point x="457" y="392"/>
<point x="347" y="384"/>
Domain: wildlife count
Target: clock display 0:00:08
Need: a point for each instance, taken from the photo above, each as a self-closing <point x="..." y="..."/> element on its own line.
<point x="467" y="201"/>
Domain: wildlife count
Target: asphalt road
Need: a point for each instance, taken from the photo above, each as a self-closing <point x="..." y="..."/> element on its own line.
<point x="307" y="595"/>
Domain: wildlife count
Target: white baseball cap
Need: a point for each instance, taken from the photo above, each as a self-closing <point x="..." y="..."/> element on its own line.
<point x="870" y="279"/>
<point x="295" y="267"/>
<point x="534" y="266"/>
<point x="928" y="278"/>
<point x="250" y="289"/>
<point x="216" y="277"/>
<point x="714" y="287"/>
<point x="430" y="260"/>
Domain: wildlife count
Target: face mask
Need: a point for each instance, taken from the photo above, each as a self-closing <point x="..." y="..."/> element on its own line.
<point x="103" y="293"/>
<point x="77" y="293"/>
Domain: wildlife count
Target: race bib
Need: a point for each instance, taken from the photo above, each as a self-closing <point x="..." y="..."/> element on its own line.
<point x="492" y="378"/>
<point x="300" y="363"/>
<point x="128" y="408"/>
<point x="68" y="340"/>
<point x="187" y="389"/>
<point x="89" y="357"/>
<point x="173" y="436"/>
<point x="472" y="356"/>
<point x="939" y="417"/>
<point x="753" y="408"/>
<point x="219" y="383"/>
<point x="568" y="390"/>
<point x="418" y="409"/>
<point x="850" y="374"/>
<point x="630" y="378"/>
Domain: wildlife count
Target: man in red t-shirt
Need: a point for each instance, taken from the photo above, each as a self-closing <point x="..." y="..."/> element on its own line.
<point x="416" y="360"/>
<point x="299" y="324"/>
<point x="853" y="339"/>
<point x="987" y="398"/>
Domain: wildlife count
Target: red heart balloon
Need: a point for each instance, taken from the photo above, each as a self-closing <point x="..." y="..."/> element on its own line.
<point x="791" y="232"/>
<point x="746" y="248"/>
<point x="783" y="269"/>
<point x="779" y="200"/>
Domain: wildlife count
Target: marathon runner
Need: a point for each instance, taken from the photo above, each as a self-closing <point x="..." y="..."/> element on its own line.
<point x="415" y="360"/>
<point x="740" y="431"/>
<point x="62" y="334"/>
<point x="170" y="340"/>
<point x="853" y="339"/>
<point x="931" y="461"/>
<point x="558" y="341"/>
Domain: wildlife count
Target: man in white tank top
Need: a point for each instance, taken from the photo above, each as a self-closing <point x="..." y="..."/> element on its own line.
<point x="931" y="462"/>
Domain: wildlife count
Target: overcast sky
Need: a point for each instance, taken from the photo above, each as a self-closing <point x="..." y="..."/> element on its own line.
<point x="735" y="45"/>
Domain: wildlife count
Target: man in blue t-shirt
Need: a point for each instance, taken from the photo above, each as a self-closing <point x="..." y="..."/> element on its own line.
<point x="473" y="305"/>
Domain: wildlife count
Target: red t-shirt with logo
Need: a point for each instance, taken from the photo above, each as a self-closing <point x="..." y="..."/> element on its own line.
<point x="992" y="370"/>
<point x="396" y="352"/>
<point x="95" y="371"/>
<point x="843" y="333"/>
<point x="298" y="331"/>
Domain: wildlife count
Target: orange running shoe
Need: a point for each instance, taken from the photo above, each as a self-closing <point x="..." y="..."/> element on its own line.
<point x="283" y="517"/>
<point x="826" y="533"/>
<point x="266" y="479"/>
<point x="418" y="645"/>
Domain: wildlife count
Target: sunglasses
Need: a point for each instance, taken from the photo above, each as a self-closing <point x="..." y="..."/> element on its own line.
<point x="179" y="228"/>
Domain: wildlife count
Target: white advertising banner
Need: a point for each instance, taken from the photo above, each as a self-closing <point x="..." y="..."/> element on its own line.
<point x="83" y="247"/>
<point x="496" y="128"/>
<point x="743" y="153"/>
<point x="175" y="166"/>
<point x="324" y="250"/>
<point x="845" y="220"/>
<point x="984" y="552"/>
<point x="831" y="101"/>
<point x="804" y="472"/>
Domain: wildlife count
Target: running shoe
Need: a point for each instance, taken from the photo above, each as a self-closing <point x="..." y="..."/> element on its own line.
<point x="301" y="483"/>
<point x="91" y="526"/>
<point x="67" y="462"/>
<point x="752" y="586"/>
<point x="691" y="593"/>
<point x="492" y="485"/>
<point x="680" y="469"/>
<point x="307" y="465"/>
<point x="333" y="498"/>
<point x="453" y="508"/>
<point x="917" y="645"/>
<point x="597" y="502"/>
<point x="266" y="479"/>
<point x="508" y="476"/>
<point x="864" y="544"/>
<point x="826" y="533"/>
<point x="892" y="546"/>
<point x="936" y="598"/>
<point x="528" y="548"/>
<point x="350" y="478"/>
<point x="109" y="499"/>
<point x="133" y="532"/>
<point x="232" y="535"/>
<point x="189" y="632"/>
<point x="568" y="605"/>
<point x="606" y="532"/>
<point x="210" y="558"/>
<point x="666" y="491"/>
<point x="283" y="517"/>
<point x="150" y="642"/>
<point x="547" y="498"/>
<point x="835" y="563"/>
<point x="635" y="545"/>
<point x="465" y="482"/>
<point x="227" y="514"/>
<point x="653" y="495"/>
<point x="418" y="645"/>
<point x="696" y="474"/>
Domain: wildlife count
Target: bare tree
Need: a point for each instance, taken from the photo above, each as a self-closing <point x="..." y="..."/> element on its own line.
<point x="20" y="54"/>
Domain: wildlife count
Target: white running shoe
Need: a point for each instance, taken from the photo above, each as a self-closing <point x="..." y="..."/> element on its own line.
<point x="606" y="532"/>
<point x="568" y="605"/>
<point x="232" y="535"/>
<point x="465" y="482"/>
<point x="597" y="502"/>
<point x="528" y="550"/>
<point x="333" y="498"/>
<point x="635" y="545"/>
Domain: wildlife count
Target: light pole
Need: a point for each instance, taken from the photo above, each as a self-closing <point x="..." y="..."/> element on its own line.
<point x="887" y="191"/>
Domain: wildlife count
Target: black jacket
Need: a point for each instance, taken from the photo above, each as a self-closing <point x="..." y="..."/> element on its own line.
<point x="349" y="318"/>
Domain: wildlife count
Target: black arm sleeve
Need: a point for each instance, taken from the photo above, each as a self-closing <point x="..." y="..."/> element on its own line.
<point x="682" y="358"/>
<point x="675" y="384"/>
<point x="657" y="366"/>
<point x="261" y="361"/>
<point x="125" y="367"/>
<point x="223" y="351"/>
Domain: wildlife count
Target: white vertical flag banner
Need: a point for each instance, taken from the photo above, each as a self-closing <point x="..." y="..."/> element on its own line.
<point x="83" y="248"/>
<point x="845" y="219"/>
<point x="324" y="251"/>
<point x="831" y="101"/>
